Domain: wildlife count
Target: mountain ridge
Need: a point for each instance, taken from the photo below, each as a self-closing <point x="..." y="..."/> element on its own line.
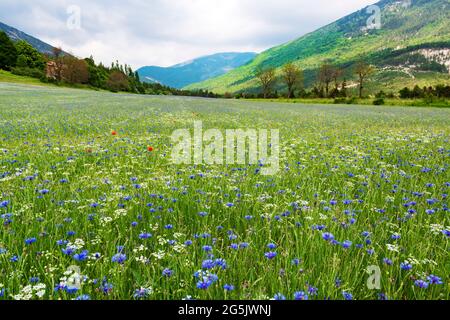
<point x="343" y="41"/>
<point x="17" y="35"/>
<point x="195" y="70"/>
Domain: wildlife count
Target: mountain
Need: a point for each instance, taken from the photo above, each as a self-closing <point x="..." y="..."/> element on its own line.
<point x="200" y="69"/>
<point x="411" y="47"/>
<point x="17" y="35"/>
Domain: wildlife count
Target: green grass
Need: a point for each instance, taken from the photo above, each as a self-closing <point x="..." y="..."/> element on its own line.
<point x="8" y="77"/>
<point x="63" y="176"/>
<point x="366" y="101"/>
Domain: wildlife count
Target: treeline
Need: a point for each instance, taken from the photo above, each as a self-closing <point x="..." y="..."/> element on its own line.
<point x="439" y="91"/>
<point x="22" y="59"/>
<point x="330" y="81"/>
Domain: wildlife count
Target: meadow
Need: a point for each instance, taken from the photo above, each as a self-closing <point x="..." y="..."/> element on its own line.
<point x="92" y="207"/>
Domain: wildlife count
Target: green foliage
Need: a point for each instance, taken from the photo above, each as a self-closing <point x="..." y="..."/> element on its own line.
<point x="8" y="52"/>
<point x="28" y="72"/>
<point x="29" y="57"/>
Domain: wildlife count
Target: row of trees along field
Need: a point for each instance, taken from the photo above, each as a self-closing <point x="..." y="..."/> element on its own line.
<point x="22" y="59"/>
<point x="330" y="82"/>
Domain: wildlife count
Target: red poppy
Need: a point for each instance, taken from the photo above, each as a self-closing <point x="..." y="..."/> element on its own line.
<point x="114" y="133"/>
<point x="150" y="149"/>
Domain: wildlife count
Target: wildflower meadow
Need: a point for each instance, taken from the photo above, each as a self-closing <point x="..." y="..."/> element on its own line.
<point x="92" y="207"/>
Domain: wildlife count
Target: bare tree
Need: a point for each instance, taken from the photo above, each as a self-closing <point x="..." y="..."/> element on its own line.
<point x="364" y="71"/>
<point x="117" y="81"/>
<point x="74" y="70"/>
<point x="326" y="75"/>
<point x="58" y="63"/>
<point x="267" y="77"/>
<point x="292" y="76"/>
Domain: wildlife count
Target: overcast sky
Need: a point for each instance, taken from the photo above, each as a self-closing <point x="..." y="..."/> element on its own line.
<point x="166" y="32"/>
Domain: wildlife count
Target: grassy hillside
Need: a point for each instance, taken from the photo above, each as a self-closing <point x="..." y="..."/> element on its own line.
<point x="405" y="31"/>
<point x="8" y="77"/>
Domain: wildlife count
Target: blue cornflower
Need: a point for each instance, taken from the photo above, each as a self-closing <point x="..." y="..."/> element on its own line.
<point x="446" y="232"/>
<point x="4" y="204"/>
<point x="347" y="295"/>
<point x="272" y="246"/>
<point x="71" y="233"/>
<point x="434" y="279"/>
<point x="68" y="251"/>
<point x="208" y="264"/>
<point x="346" y="244"/>
<point x="29" y="241"/>
<point x="141" y="293"/>
<point x="134" y="224"/>
<point x="188" y="243"/>
<point x="243" y="245"/>
<point x="406" y="266"/>
<point x="270" y="255"/>
<point x="221" y="263"/>
<point x="421" y="284"/>
<point x="387" y="261"/>
<point x="62" y="242"/>
<point x="383" y="297"/>
<point x="295" y="262"/>
<point x="312" y="290"/>
<point x="71" y="290"/>
<point x="395" y="236"/>
<point x="279" y="296"/>
<point x="228" y="287"/>
<point x="145" y="235"/>
<point x="204" y="284"/>
<point x="300" y="295"/>
<point x="365" y="234"/>
<point x="119" y="258"/>
<point x="34" y="279"/>
<point x="167" y="272"/>
<point x="168" y="227"/>
<point x="81" y="256"/>
<point x="328" y="236"/>
<point x="207" y="248"/>
<point x="203" y="214"/>
<point x="83" y="297"/>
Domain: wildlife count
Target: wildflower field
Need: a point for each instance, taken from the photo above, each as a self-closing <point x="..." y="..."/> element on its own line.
<point x="93" y="208"/>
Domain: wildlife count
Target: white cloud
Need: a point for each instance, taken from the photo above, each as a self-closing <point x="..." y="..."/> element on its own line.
<point x="165" y="32"/>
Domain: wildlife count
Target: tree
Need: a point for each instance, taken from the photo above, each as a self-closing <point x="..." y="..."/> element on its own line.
<point x="326" y="75"/>
<point x="58" y="63"/>
<point x="292" y="76"/>
<point x="8" y="52"/>
<point x="117" y="81"/>
<point x="28" y="56"/>
<point x="267" y="77"/>
<point x="74" y="70"/>
<point x="364" y="71"/>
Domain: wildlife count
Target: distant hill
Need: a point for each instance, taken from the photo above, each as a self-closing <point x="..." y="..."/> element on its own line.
<point x="200" y="69"/>
<point x="411" y="47"/>
<point x="17" y="35"/>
